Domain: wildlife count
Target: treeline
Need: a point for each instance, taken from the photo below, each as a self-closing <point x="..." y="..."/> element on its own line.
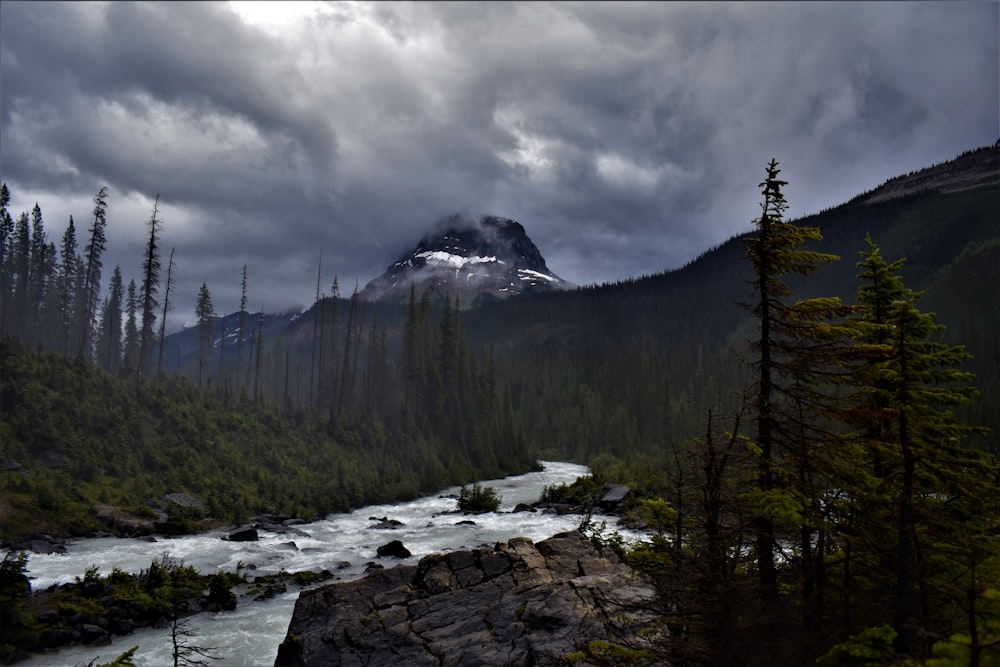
<point x="51" y="298"/>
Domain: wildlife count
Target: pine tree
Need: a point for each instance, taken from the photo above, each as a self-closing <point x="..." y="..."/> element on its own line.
<point x="92" y="272"/>
<point x="67" y="282"/>
<point x="109" y="347"/>
<point x="20" y="269"/>
<point x="328" y="376"/>
<point x="205" y="313"/>
<point x="348" y="368"/>
<point x="242" y="337"/>
<point x="40" y="272"/>
<point x="50" y="319"/>
<point x="130" y="355"/>
<point x="168" y="290"/>
<point x="149" y="291"/>
<point x="908" y="385"/>
<point x="6" y="247"/>
<point x="785" y="348"/>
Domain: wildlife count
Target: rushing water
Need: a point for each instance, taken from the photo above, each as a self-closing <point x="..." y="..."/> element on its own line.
<point x="250" y="635"/>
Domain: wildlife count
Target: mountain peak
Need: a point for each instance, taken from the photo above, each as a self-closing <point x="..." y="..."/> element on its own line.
<point x="477" y="259"/>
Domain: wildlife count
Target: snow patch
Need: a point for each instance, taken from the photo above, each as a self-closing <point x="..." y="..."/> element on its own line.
<point x="456" y="261"/>
<point x="528" y="274"/>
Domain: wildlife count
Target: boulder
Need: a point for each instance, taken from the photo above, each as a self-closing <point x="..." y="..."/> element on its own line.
<point x="514" y="604"/>
<point x="123" y="522"/>
<point x="94" y="634"/>
<point x="394" y="549"/>
<point x="183" y="500"/>
<point x="243" y="534"/>
<point x="40" y="543"/>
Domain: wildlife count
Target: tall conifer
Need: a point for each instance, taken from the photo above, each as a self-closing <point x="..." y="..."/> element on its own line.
<point x="167" y="291"/>
<point x="205" y="312"/>
<point x="149" y="292"/>
<point x="775" y="251"/>
<point x="67" y="282"/>
<point x="92" y="272"/>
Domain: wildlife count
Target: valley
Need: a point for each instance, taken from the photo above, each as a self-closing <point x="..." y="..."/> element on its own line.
<point x="654" y="382"/>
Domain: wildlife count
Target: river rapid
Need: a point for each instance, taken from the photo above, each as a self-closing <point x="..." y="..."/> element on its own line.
<point x="250" y="635"/>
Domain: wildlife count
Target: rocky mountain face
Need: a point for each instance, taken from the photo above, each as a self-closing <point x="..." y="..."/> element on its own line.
<point x="477" y="260"/>
<point x="517" y="603"/>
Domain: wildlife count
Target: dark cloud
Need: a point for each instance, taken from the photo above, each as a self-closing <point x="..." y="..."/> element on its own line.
<point x="626" y="137"/>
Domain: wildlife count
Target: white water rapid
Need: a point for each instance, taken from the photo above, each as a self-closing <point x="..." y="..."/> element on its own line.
<point x="250" y="635"/>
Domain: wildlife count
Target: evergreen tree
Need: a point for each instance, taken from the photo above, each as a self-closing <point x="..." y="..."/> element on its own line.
<point x="92" y="272"/>
<point x="775" y="251"/>
<point x="149" y="292"/>
<point x="242" y="337"/>
<point x="109" y="347"/>
<point x="6" y="247"/>
<point x="40" y="272"/>
<point x="205" y="313"/>
<point x="348" y="368"/>
<point x="167" y="291"/>
<point x="21" y="263"/>
<point x="922" y="474"/>
<point x="50" y="319"/>
<point x="328" y="376"/>
<point x="67" y="282"/>
<point x="130" y="355"/>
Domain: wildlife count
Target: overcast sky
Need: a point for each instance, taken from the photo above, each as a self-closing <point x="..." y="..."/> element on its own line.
<point x="627" y="138"/>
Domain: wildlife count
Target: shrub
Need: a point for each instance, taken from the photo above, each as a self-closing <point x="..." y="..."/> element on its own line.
<point x="478" y="499"/>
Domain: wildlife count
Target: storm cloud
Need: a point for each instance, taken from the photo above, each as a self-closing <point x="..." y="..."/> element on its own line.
<point x="627" y="138"/>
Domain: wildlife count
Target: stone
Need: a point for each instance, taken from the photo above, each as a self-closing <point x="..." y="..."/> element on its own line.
<point x="183" y="500"/>
<point x="394" y="549"/>
<point x="516" y="603"/>
<point x="94" y="634"/>
<point x="243" y="534"/>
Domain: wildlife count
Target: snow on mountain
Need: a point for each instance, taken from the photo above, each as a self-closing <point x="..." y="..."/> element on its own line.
<point x="475" y="260"/>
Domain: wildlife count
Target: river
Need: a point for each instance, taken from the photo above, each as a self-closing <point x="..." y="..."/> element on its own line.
<point x="249" y="636"/>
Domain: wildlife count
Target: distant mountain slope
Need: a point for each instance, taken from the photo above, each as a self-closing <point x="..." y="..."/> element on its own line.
<point x="478" y="260"/>
<point x="971" y="170"/>
<point x="940" y="219"/>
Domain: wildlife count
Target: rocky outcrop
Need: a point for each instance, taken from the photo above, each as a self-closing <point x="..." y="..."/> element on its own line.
<point x="518" y="603"/>
<point x="477" y="259"/>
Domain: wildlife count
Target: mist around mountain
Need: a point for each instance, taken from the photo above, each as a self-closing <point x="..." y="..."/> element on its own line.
<point x="475" y="260"/>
